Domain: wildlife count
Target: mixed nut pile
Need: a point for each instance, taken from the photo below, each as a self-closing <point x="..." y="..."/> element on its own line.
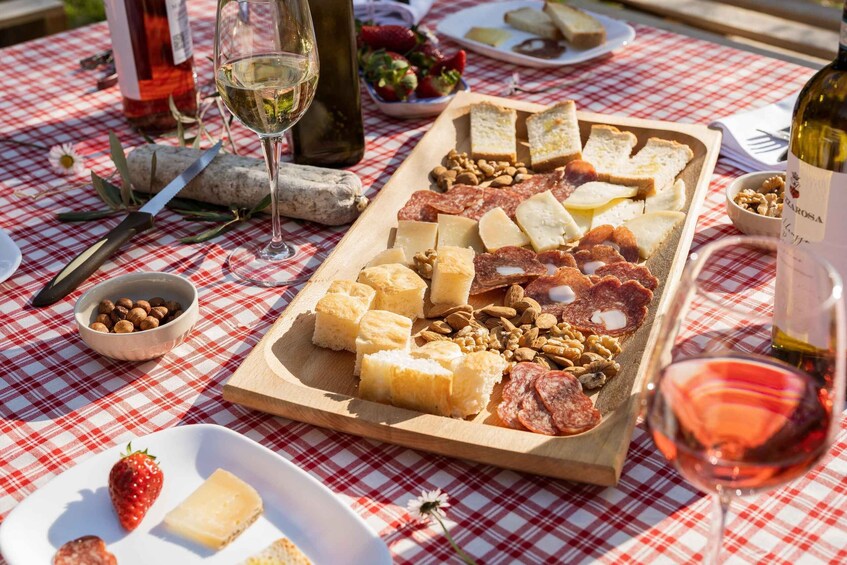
<point x="766" y="200"/>
<point x="459" y="168"/>
<point x="126" y="316"/>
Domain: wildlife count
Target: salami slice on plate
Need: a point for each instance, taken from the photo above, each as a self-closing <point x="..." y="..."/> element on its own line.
<point x="619" y="238"/>
<point x="609" y="307"/>
<point x="624" y="271"/>
<point x="505" y="267"/>
<point x="571" y="411"/>
<point x="521" y="378"/>
<point x="555" y="292"/>
<point x="87" y="550"/>
<point x="555" y="259"/>
<point x="589" y="260"/>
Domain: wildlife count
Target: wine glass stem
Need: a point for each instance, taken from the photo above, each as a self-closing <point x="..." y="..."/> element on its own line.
<point x="720" y="510"/>
<point x="272" y="147"/>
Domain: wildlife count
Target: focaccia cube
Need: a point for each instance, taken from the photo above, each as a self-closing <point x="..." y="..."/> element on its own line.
<point x="352" y="288"/>
<point x="380" y="330"/>
<point x="452" y="276"/>
<point x="337" y="318"/>
<point x="398" y="289"/>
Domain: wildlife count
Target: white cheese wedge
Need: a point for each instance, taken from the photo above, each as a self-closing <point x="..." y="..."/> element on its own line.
<point x="452" y="276"/>
<point x="595" y="194"/>
<point x="390" y="255"/>
<point x="546" y="222"/>
<point x="651" y="229"/>
<point x="497" y="230"/>
<point x="457" y="231"/>
<point x="670" y="198"/>
<point x="582" y="218"/>
<point x="415" y="237"/>
<point x="217" y="512"/>
<point x="617" y="212"/>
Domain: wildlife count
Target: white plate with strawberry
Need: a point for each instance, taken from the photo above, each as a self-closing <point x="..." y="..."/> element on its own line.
<point x="296" y="506"/>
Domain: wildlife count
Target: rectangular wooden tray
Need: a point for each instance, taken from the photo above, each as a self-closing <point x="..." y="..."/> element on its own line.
<point x="288" y="376"/>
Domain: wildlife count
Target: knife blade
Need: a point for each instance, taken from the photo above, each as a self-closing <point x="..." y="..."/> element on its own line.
<point x="84" y="264"/>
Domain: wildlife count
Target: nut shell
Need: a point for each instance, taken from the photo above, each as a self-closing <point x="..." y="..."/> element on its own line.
<point x="98" y="327"/>
<point x="125" y="302"/>
<point x="159" y="312"/>
<point x="105" y="307"/>
<point x="124" y="327"/>
<point x="143" y="304"/>
<point x="118" y="313"/>
<point x="149" y="323"/>
<point x="136" y="315"/>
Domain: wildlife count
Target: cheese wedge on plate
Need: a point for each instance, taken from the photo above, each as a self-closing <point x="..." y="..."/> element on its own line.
<point x="281" y="552"/>
<point x="617" y="212"/>
<point x="651" y="229"/>
<point x="670" y="198"/>
<point x="390" y="255"/>
<point x="498" y="230"/>
<point x="458" y="231"/>
<point x="415" y="237"/>
<point x="595" y="194"/>
<point x="546" y="222"/>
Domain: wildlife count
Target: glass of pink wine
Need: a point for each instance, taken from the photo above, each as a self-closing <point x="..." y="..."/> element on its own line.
<point x="746" y="382"/>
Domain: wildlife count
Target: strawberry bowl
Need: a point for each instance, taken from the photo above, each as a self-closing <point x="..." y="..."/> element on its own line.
<point x="415" y="107"/>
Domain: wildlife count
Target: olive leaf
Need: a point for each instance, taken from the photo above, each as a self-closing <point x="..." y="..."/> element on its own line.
<point x="119" y="159"/>
<point x="108" y="193"/>
<point x="87" y="215"/>
<point x="212" y="233"/>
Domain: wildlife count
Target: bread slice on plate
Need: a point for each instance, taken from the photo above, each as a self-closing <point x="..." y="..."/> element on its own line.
<point x="281" y="552"/>
<point x="654" y="167"/>
<point x="493" y="134"/>
<point x="581" y="29"/>
<point x="532" y="21"/>
<point x="608" y="149"/>
<point x="554" y="136"/>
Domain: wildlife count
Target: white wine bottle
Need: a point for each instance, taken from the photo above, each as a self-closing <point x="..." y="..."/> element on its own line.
<point x="815" y="199"/>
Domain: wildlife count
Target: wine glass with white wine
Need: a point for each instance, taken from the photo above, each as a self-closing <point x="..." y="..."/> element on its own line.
<point x="266" y="71"/>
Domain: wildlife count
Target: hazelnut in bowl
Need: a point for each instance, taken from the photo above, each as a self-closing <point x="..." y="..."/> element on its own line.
<point x="137" y="317"/>
<point x="754" y="203"/>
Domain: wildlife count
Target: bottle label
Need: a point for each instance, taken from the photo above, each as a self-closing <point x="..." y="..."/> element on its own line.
<point x="180" y="30"/>
<point x="122" y="47"/>
<point x="807" y="195"/>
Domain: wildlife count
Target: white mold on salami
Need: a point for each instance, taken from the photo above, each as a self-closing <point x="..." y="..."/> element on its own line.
<point x="611" y="319"/>
<point x="508" y="270"/>
<point x="562" y="294"/>
<point x="590" y="267"/>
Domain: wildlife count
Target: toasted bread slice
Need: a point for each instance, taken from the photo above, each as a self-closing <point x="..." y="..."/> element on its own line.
<point x="493" y="132"/>
<point x="554" y="136"/>
<point x="532" y="21"/>
<point x="582" y="30"/>
<point x="281" y="552"/>
<point x="608" y="149"/>
<point x="654" y="167"/>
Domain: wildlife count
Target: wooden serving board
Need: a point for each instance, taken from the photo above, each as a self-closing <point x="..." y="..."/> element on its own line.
<point x="286" y="375"/>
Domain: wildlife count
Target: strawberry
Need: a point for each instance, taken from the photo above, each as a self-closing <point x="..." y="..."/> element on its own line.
<point x="390" y="37"/>
<point x="396" y="85"/>
<point x="455" y="63"/>
<point x="135" y="482"/>
<point x="435" y="86"/>
<point x="425" y="55"/>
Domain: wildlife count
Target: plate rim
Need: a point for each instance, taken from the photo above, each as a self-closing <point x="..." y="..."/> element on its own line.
<point x="17" y="256"/>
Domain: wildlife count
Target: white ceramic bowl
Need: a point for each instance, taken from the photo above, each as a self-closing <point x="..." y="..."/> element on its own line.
<point x="416" y="107"/>
<point x="746" y="221"/>
<point x="147" y="344"/>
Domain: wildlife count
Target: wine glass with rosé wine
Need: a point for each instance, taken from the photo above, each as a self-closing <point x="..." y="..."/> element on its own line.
<point x="266" y="71"/>
<point x="745" y="383"/>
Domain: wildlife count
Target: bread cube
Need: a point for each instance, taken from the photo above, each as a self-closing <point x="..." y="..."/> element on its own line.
<point x="356" y="290"/>
<point x="452" y="276"/>
<point x="398" y="289"/>
<point x="380" y="330"/>
<point x="443" y="352"/>
<point x="397" y="378"/>
<point x="337" y="319"/>
<point x="474" y="377"/>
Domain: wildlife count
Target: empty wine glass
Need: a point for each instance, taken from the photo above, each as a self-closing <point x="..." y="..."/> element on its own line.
<point x="743" y="395"/>
<point x="266" y="71"/>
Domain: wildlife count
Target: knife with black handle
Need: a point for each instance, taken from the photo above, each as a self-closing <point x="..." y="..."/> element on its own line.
<point x="84" y="264"/>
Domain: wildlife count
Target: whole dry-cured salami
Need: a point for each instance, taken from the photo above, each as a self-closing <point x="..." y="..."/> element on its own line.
<point x="589" y="260"/>
<point x="505" y="267"/>
<point x="619" y="238"/>
<point x="555" y="259"/>
<point x="554" y="292"/>
<point x="87" y="550"/>
<point x="521" y="378"/>
<point x="571" y="411"/>
<point x="624" y="271"/>
<point x="425" y="205"/>
<point x="609" y="307"/>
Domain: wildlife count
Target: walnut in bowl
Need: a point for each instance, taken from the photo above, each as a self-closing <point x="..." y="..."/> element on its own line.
<point x="754" y="205"/>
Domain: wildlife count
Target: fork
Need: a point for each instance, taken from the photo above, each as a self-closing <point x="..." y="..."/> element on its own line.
<point x="782" y="134"/>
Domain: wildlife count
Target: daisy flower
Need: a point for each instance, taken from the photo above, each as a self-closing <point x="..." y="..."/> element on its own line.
<point x="429" y="505"/>
<point x="65" y="160"/>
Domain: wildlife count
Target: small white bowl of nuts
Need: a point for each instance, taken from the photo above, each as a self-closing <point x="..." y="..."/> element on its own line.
<point x="754" y="203"/>
<point x="137" y="317"/>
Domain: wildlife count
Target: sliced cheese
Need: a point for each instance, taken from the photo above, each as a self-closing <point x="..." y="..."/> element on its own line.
<point x="497" y="230"/>
<point x="390" y="255"/>
<point x="582" y="218"/>
<point x="457" y="231"/>
<point x="651" y="229"/>
<point x="595" y="194"/>
<point x="217" y="512"/>
<point x="415" y="237"/>
<point x="546" y="222"/>
<point x="617" y="212"/>
<point x="452" y="276"/>
<point x="671" y="198"/>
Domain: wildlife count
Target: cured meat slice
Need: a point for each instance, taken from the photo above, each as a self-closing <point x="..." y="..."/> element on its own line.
<point x="537" y="184"/>
<point x="624" y="271"/>
<point x="619" y="238"/>
<point x="570" y="409"/>
<point x="534" y="415"/>
<point x="609" y="307"/>
<point x="589" y="260"/>
<point x="87" y="550"/>
<point x="520" y="383"/>
<point x="554" y="292"/>
<point x="492" y="198"/>
<point x="425" y="205"/>
<point x="505" y="267"/>
<point x="579" y="172"/>
<point x="554" y="259"/>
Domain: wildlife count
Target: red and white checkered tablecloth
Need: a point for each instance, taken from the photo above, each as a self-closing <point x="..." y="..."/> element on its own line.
<point x="61" y="403"/>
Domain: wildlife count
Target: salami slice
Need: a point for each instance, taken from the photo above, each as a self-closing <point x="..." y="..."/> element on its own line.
<point x="534" y="415"/>
<point x="609" y="307"/>
<point x="537" y="184"/>
<point x="579" y="172"/>
<point x="554" y="292"/>
<point x="619" y="238"/>
<point x="589" y="260"/>
<point x="554" y="259"/>
<point x="520" y="383"/>
<point x="87" y="550"/>
<point x="492" y="198"/>
<point x="570" y="409"/>
<point x="425" y="205"/>
<point x="505" y="267"/>
<point x="624" y="271"/>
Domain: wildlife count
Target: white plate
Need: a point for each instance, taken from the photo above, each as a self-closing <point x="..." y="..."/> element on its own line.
<point x="416" y="108"/>
<point x="455" y="26"/>
<point x="10" y="256"/>
<point x="297" y="506"/>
